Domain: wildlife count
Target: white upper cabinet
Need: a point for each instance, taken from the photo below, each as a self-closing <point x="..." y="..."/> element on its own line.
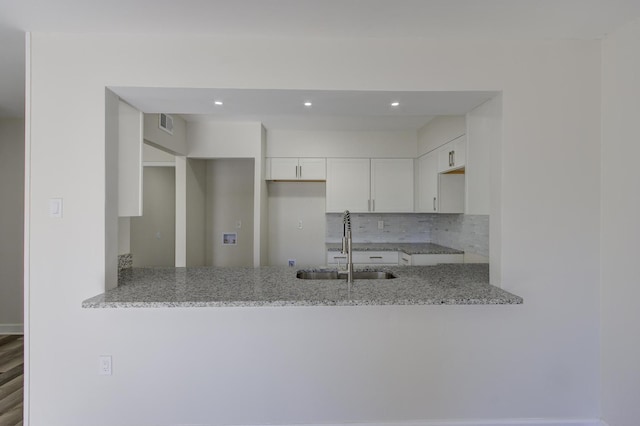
<point x="439" y="192"/>
<point x="297" y="169"/>
<point x="428" y="183"/>
<point x="363" y="185"/>
<point x="452" y="155"/>
<point x="284" y="168"/>
<point x="312" y="168"/>
<point x="391" y="185"/>
<point x="348" y="184"/>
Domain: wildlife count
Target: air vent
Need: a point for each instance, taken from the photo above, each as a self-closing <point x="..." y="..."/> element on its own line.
<point x="166" y="123"/>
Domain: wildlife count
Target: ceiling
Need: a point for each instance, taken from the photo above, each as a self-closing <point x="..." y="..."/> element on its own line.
<point x="433" y="19"/>
<point x="329" y="110"/>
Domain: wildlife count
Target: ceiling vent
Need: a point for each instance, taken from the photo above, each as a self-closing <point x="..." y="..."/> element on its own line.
<point x="166" y="123"/>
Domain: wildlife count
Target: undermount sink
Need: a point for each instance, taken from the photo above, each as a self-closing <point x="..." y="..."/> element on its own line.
<point x="342" y="275"/>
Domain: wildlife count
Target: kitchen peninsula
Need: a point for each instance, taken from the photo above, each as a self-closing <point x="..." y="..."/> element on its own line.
<point x="444" y="284"/>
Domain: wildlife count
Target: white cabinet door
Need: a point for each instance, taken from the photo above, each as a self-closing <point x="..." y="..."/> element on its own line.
<point x="364" y="258"/>
<point x="428" y="183"/>
<point x="434" y="259"/>
<point x="284" y="168"/>
<point x="453" y="155"/>
<point x="375" y="257"/>
<point x="296" y="169"/>
<point x="348" y="185"/>
<point x="312" y="168"/>
<point x="404" y="259"/>
<point x="391" y="185"/>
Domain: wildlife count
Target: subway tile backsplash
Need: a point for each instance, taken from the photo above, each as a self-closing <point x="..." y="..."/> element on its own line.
<point x="462" y="232"/>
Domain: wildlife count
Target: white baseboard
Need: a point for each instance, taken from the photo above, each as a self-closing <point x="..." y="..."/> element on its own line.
<point x="478" y="422"/>
<point x="11" y="328"/>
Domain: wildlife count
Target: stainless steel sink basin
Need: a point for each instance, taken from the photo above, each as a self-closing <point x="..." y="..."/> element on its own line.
<point x="342" y="275"/>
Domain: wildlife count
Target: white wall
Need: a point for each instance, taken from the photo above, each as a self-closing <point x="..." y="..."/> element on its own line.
<point x="301" y="143"/>
<point x="237" y="140"/>
<point x="229" y="200"/>
<point x="116" y="238"/>
<point x="196" y="190"/>
<point x="152" y="155"/>
<point x="322" y="364"/>
<point x="124" y="235"/>
<point x="439" y="131"/>
<point x="215" y="139"/>
<point x="11" y="223"/>
<point x="153" y="235"/>
<point x="290" y="203"/>
<point x="175" y="143"/>
<point x="620" y="227"/>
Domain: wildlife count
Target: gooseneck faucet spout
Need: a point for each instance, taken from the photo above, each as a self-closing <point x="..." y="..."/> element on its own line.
<point x="346" y="243"/>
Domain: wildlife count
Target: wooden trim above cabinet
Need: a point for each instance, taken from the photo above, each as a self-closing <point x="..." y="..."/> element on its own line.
<point x="454" y="172"/>
<point x="293" y="180"/>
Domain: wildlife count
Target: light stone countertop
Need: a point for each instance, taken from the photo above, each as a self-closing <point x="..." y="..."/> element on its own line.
<point x="408" y="248"/>
<point x="444" y="284"/>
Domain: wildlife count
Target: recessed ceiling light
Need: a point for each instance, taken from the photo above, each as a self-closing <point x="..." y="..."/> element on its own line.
<point x="308" y="104"/>
<point x="219" y="103"/>
<point x="395" y="104"/>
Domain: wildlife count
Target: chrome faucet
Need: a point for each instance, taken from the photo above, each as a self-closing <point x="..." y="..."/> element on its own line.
<point x="346" y="243"/>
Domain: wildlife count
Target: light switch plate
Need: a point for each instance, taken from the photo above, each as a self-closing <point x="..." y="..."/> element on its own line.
<point x="55" y="207"/>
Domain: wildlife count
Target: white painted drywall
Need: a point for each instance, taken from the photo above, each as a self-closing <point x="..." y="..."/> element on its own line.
<point x="214" y="139"/>
<point x="297" y="223"/>
<point x="180" y="211"/>
<point x="439" y="131"/>
<point x="484" y="128"/>
<point x="261" y="207"/>
<point x="322" y="364"/>
<point x="124" y="235"/>
<point x="129" y="160"/>
<point x="620" y="227"/>
<point x="151" y="154"/>
<point x="112" y="232"/>
<point x="358" y="144"/>
<point x="175" y="143"/>
<point x="237" y="140"/>
<point x="196" y="186"/>
<point x="229" y="204"/>
<point x="11" y="223"/>
<point x="153" y="235"/>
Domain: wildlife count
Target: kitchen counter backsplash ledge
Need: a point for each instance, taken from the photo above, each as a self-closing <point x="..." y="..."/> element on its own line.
<point x="408" y="248"/>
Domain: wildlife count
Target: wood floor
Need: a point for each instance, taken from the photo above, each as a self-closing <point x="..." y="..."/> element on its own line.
<point x="11" y="379"/>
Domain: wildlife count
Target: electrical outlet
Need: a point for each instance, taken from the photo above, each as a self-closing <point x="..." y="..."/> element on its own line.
<point x="300" y="224"/>
<point x="292" y="262"/>
<point x="381" y="224"/>
<point x="104" y="365"/>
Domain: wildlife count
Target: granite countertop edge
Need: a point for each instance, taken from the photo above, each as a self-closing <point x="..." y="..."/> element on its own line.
<point x="293" y="303"/>
<point x="445" y="284"/>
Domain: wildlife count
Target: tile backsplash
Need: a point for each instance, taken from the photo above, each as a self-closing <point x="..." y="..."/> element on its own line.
<point x="462" y="232"/>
